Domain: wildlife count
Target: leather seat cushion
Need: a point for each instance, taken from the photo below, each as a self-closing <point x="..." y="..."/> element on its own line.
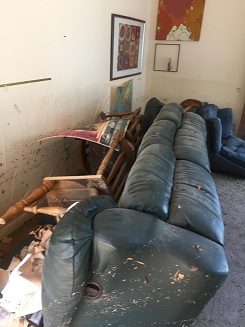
<point x="194" y="202"/>
<point x="234" y="149"/>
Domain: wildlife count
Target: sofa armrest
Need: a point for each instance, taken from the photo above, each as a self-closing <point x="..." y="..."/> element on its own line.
<point x="67" y="260"/>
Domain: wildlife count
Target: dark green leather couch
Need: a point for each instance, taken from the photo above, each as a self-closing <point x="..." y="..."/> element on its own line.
<point x="155" y="258"/>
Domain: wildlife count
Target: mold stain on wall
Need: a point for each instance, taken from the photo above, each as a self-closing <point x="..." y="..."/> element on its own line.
<point x="23" y="167"/>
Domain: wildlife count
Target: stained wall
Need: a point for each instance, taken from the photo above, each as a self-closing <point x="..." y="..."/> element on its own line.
<point x="69" y="42"/>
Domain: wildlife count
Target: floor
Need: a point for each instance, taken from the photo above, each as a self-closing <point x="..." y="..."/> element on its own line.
<point x="227" y="307"/>
<point x="21" y="237"/>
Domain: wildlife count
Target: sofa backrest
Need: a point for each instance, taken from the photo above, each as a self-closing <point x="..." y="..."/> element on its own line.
<point x="190" y="140"/>
<point x="164" y="127"/>
<point x="194" y="204"/>
<point x="152" y="109"/>
<point x="171" y="176"/>
<point x="212" y="111"/>
<point x="171" y="112"/>
<point x="149" y="183"/>
<point x="225" y="116"/>
<point x="207" y="111"/>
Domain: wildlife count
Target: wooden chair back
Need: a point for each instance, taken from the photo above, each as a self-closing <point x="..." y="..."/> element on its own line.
<point x="91" y="154"/>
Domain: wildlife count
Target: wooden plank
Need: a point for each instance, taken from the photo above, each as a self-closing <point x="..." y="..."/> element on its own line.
<point x="75" y="178"/>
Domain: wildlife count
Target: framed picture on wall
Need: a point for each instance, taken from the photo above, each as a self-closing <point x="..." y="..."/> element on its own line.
<point x="127" y="45"/>
<point x="179" y="20"/>
<point x="166" y="57"/>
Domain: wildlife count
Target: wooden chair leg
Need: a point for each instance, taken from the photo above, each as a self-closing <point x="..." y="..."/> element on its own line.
<point x="18" y="208"/>
<point x="57" y="212"/>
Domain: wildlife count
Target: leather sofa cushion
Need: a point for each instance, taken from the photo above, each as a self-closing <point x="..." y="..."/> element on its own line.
<point x="237" y="158"/>
<point x="194" y="202"/>
<point x="161" y="132"/>
<point x="149" y="183"/>
<point x="190" y="140"/>
<point x="172" y="112"/>
<point x="234" y="149"/>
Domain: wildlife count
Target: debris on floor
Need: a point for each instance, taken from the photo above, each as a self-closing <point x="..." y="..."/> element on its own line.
<point x="20" y="284"/>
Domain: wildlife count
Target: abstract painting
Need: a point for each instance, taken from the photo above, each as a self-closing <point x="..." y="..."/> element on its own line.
<point x="121" y="98"/>
<point x="179" y="20"/>
<point x="127" y="41"/>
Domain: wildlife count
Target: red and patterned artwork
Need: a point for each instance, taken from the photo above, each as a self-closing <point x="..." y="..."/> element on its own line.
<point x="179" y="20"/>
<point x="128" y="47"/>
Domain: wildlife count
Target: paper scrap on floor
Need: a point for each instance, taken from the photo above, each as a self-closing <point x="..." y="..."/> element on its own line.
<point x="21" y="296"/>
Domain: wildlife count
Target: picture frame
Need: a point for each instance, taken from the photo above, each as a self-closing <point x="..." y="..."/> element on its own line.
<point x="127" y="46"/>
<point x="179" y="20"/>
<point x="166" y="57"/>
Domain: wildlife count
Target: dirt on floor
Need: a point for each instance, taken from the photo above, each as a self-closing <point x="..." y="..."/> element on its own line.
<point x="227" y="307"/>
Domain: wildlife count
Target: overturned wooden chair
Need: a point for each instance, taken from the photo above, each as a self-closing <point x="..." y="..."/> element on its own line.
<point x="63" y="191"/>
<point x="91" y="154"/>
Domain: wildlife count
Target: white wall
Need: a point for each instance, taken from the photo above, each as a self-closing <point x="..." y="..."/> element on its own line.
<point x="212" y="69"/>
<point x="69" y="42"/>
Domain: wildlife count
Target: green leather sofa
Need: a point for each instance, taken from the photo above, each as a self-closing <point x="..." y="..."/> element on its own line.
<point x="156" y="257"/>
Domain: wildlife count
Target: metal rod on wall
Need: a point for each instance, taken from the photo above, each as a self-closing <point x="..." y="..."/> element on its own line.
<point x="26" y="82"/>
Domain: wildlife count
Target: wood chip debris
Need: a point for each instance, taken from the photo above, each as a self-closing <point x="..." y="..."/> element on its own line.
<point x="194" y="268"/>
<point x="198" y="248"/>
<point x="178" y="277"/>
